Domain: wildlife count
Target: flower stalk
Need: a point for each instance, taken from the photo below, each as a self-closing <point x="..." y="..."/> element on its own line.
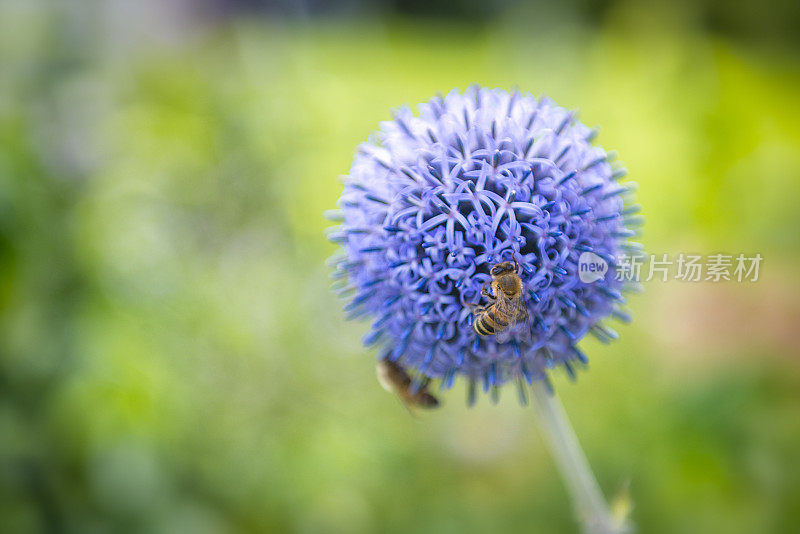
<point x="590" y="506"/>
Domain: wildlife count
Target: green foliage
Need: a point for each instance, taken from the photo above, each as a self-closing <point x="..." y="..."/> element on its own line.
<point x="171" y="358"/>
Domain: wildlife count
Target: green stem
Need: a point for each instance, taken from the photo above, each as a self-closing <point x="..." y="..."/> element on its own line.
<point x="590" y="506"/>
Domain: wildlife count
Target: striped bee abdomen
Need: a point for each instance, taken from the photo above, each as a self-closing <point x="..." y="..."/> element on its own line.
<point x="482" y="327"/>
<point x="488" y="322"/>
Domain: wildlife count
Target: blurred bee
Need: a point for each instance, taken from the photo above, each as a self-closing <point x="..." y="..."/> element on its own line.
<point x="395" y="379"/>
<point x="506" y="306"/>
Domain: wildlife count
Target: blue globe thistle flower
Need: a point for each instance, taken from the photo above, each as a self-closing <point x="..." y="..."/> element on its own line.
<point x="433" y="201"/>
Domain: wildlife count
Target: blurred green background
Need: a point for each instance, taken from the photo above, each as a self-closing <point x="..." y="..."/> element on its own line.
<point x="172" y="360"/>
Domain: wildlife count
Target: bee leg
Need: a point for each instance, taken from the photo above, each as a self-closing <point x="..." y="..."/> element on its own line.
<point x="485" y="292"/>
<point x="477" y="311"/>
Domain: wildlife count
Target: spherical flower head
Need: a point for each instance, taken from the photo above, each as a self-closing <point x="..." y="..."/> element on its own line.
<point x="433" y="201"/>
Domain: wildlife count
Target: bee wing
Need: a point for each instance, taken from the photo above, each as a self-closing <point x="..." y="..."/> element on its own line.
<point x="519" y="324"/>
<point x="504" y="335"/>
<point x="505" y="307"/>
<point x="525" y="329"/>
